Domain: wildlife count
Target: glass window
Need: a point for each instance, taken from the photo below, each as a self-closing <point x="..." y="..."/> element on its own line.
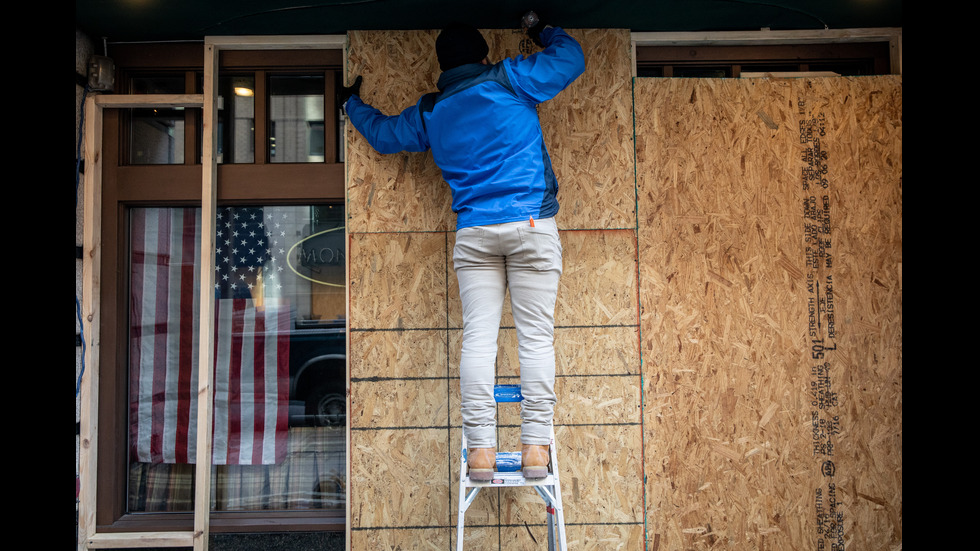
<point x="700" y="61"/>
<point x="769" y="68"/>
<point x="236" y="119"/>
<point x="157" y="135"/>
<point x="280" y="381"/>
<point x="296" y="119"/>
<point x="701" y="72"/>
<point x="644" y="71"/>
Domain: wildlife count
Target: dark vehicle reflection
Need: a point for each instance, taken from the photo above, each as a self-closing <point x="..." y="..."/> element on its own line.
<point x="317" y="374"/>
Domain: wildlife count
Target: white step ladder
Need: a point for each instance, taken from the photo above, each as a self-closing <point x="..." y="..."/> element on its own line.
<point x="508" y="474"/>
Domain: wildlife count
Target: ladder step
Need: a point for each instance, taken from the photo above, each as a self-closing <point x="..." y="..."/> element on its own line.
<point x="510" y="479"/>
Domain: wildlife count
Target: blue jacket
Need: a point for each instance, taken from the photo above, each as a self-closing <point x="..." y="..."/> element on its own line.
<point x="483" y="129"/>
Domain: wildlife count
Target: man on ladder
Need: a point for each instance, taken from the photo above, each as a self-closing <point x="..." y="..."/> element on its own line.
<point x="483" y="129"/>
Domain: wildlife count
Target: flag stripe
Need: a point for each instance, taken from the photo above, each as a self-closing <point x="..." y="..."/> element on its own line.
<point x="222" y="366"/>
<point x="189" y="292"/>
<point x="281" y="383"/>
<point x="159" y="308"/>
<point x="258" y="421"/>
<point x="276" y="447"/>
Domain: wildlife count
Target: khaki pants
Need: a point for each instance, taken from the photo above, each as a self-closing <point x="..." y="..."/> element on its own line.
<point x="489" y="260"/>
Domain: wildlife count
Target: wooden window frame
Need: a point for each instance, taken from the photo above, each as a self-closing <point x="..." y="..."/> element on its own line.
<point x="732" y="48"/>
<point x="110" y="189"/>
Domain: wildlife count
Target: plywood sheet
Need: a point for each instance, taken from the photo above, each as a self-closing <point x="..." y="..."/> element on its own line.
<point x="399" y="403"/>
<point x="597" y="375"/>
<point x="401" y="294"/>
<point x="399" y="478"/>
<point x="397" y="281"/>
<point x="601" y="537"/>
<point x="382" y="354"/>
<point x="425" y="539"/>
<point x="741" y="238"/>
<point x="479" y="537"/>
<point x="589" y="132"/>
<point x="595" y="400"/>
<point x="858" y="384"/>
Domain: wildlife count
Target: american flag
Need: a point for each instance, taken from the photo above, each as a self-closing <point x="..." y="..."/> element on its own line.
<point x="252" y="323"/>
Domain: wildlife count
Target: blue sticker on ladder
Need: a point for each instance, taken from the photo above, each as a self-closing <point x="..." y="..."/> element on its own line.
<point x="507" y="393"/>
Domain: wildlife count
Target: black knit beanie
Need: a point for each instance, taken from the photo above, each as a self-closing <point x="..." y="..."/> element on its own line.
<point x="459" y="44"/>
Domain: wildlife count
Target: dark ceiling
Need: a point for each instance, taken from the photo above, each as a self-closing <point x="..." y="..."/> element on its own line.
<point x="161" y="20"/>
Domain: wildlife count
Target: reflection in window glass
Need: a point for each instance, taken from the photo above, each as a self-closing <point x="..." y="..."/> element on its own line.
<point x="279" y="386"/>
<point x="236" y="119"/>
<point x="769" y="68"/>
<point x="646" y="71"/>
<point x="157" y="135"/>
<point x="695" y="71"/>
<point x="296" y="119"/>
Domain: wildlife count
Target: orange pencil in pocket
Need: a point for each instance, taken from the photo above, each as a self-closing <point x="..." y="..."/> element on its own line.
<point x="532" y="221"/>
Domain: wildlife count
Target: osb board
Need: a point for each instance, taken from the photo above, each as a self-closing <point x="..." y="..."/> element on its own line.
<point x="593" y="351"/>
<point x="423" y="539"/>
<point x="755" y="436"/>
<point x="599" y="537"/>
<point x="534" y="537"/>
<point x="597" y="286"/>
<point x="588" y="129"/>
<point x="479" y="536"/>
<point x="399" y="403"/>
<point x="589" y="132"/>
<point x="397" y="281"/>
<point x="398" y="354"/>
<point x="399" y="478"/>
<point x="863" y="124"/>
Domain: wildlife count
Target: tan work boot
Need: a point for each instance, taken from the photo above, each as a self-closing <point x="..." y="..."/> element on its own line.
<point x="481" y="463"/>
<point x="535" y="460"/>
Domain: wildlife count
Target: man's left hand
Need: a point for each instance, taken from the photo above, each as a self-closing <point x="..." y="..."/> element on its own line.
<point x="347" y="91"/>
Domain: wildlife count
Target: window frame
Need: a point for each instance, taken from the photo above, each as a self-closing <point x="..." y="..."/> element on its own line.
<point x="112" y="187"/>
<point x="733" y="49"/>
